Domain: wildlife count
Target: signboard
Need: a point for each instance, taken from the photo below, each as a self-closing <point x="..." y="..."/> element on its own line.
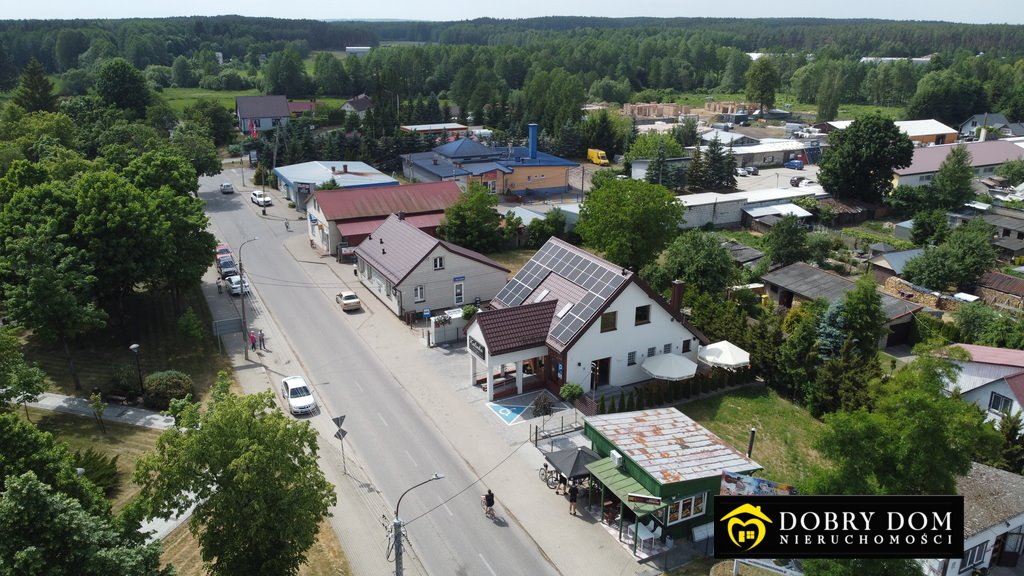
<point x="303" y="187"/>
<point x="338" y="420"/>
<point x="644" y="499"/>
<point x="459" y="279"/>
<point x="426" y="312"/>
<point x="312" y="219"/>
<point x="477" y="348"/>
<point x="743" y="485"/>
<point x="340" y="434"/>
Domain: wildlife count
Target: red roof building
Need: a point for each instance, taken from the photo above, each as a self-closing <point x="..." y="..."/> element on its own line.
<point x="341" y="219"/>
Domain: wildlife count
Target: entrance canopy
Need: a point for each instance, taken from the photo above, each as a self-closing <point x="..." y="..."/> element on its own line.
<point x="724" y="354"/>
<point x="669" y="367"/>
<point x="572" y="463"/>
<point x="622" y="485"/>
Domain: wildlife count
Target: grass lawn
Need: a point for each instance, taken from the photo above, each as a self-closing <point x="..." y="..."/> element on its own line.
<point x="513" y="259"/>
<point x="325" y="558"/>
<point x="744" y="237"/>
<point x="128" y="443"/>
<point x="785" y="431"/>
<point x="102" y="358"/>
<point x="178" y="98"/>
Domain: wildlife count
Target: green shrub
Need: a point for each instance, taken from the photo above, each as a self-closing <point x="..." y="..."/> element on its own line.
<point x="189" y="326"/>
<point x="621" y="406"/>
<point x="162" y="387"/>
<point x="600" y="406"/>
<point x="570" y="392"/>
<point x="468" y="311"/>
<point x="99" y="468"/>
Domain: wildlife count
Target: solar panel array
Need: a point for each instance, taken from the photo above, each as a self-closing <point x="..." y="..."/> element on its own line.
<point x="599" y="282"/>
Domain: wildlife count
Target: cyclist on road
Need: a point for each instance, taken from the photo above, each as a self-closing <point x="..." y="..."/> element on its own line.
<point x="489" y="502"/>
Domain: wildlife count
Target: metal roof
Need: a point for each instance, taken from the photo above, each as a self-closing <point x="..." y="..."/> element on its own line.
<point x="396" y="247"/>
<point x="993" y="355"/>
<point x="451" y="126"/>
<point x="992" y="497"/>
<point x="988" y="153"/>
<point x="786" y="209"/>
<point x="348" y="174"/>
<point x="261" y="106"/>
<point x="1002" y="283"/>
<point x="897" y="261"/>
<point x="355" y="203"/>
<point x="911" y="128"/>
<point x="669" y="446"/>
<point x="813" y="283"/>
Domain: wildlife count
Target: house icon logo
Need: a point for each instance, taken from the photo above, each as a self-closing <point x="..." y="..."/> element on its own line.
<point x="746" y="527"/>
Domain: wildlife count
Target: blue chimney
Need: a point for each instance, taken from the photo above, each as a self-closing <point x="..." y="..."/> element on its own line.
<point x="533" y="141"/>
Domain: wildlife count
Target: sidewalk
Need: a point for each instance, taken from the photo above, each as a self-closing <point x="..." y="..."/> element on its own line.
<point x="113" y="413"/>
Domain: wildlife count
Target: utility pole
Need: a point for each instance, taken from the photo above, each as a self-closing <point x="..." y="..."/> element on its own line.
<point x="241" y="275"/>
<point x="396" y="524"/>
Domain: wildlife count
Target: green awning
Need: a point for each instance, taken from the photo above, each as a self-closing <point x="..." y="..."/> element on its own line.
<point x="622" y="485"/>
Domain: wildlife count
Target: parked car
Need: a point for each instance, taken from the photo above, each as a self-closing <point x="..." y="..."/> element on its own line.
<point x="259" y="198"/>
<point x="226" y="266"/>
<point x="348" y="300"/>
<point x="796" y="180"/>
<point x="753" y="171"/>
<point x="227" y="188"/>
<point x="741" y="171"/>
<point x="236" y="284"/>
<point x="794" y="164"/>
<point x="298" y="395"/>
<point x="222" y="250"/>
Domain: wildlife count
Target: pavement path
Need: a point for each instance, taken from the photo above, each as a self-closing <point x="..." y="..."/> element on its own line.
<point x="112" y="413"/>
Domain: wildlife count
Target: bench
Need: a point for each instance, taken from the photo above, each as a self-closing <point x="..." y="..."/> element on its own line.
<point x="116" y="399"/>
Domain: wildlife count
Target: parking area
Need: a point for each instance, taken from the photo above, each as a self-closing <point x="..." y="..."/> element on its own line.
<point x="774" y="178"/>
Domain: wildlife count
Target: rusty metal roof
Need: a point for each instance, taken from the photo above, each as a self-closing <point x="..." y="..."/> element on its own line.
<point x="377" y="201"/>
<point x="1002" y="283"/>
<point x="669" y="445"/>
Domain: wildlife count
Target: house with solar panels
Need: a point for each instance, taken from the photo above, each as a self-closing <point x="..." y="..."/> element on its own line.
<point x="512" y="170"/>
<point x="571" y="317"/>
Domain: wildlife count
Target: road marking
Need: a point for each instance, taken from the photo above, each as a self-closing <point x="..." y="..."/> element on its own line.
<point x="411" y="459"/>
<point x="383" y="420"/>
<point x="484" y="560"/>
<point x="449" y="510"/>
<point x="356" y="382"/>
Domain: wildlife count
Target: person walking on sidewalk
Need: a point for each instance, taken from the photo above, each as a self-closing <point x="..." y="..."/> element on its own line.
<point x="574" y="493"/>
<point x="252" y="339"/>
<point x="263" y="342"/>
<point x="220" y="286"/>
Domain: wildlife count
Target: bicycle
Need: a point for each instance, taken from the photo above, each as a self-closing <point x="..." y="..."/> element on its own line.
<point x="488" y="510"/>
<point x="548" y="475"/>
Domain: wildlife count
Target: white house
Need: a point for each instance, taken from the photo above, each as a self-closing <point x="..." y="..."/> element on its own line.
<point x="993" y="379"/>
<point x="993" y="524"/>
<point x="257" y="114"/>
<point x="410" y="270"/>
<point x="571" y="317"/>
<point x="358" y="105"/>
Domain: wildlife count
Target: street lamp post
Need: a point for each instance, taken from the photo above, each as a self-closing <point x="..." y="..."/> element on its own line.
<point x="241" y="275"/>
<point x="138" y="367"/>
<point x="396" y="525"/>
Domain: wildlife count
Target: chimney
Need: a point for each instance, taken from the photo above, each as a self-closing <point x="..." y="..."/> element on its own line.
<point x="401" y="215"/>
<point x="533" y="141"/>
<point x="344" y="168"/>
<point x="676" y="301"/>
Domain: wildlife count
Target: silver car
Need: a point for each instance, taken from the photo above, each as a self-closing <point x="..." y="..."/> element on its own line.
<point x="298" y="395"/>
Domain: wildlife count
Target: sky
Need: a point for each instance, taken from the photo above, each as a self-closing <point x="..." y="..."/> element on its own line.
<point x="985" y="11"/>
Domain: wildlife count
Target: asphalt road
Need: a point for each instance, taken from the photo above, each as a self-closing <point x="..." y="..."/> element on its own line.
<point x="400" y="444"/>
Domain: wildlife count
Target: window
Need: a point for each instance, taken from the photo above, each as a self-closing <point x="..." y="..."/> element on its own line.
<point x="999" y="403"/>
<point x="667" y="349"/>
<point x="608" y="321"/>
<point x="643" y="315"/>
<point x="439" y="263"/>
<point x="686" y="346"/>
<point x="631" y="359"/>
<point x="652" y="351"/>
<point x="974" y="556"/>
<point x="256" y="122"/>
<point x="689" y="507"/>
<point x="276" y="122"/>
<point x="419" y="294"/>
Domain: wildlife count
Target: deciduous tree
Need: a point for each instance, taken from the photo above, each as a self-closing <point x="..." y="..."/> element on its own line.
<point x="629" y="221"/>
<point x="951" y="188"/>
<point x="472" y="221"/>
<point x="957" y="263"/>
<point x="762" y="83"/>
<point x="786" y="242"/>
<point x="252" y="474"/>
<point x="123" y="86"/>
<point x="698" y="259"/>
<point x="860" y="160"/>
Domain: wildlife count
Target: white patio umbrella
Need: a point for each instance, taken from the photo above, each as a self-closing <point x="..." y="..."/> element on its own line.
<point x="724" y="354"/>
<point x="669" y="367"/>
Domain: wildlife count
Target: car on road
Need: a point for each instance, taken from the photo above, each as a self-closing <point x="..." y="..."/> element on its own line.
<point x="259" y="198"/>
<point x="752" y="170"/>
<point x="796" y="180"/>
<point x="741" y="171"/>
<point x="348" y="300"/>
<point x="794" y="164"/>
<point x="236" y="284"/>
<point x="227" y="188"/>
<point x="298" y="395"/>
